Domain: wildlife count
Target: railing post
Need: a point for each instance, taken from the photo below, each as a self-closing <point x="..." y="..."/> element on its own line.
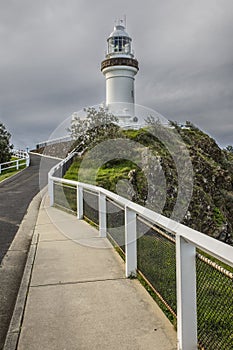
<point x="27" y="160"/>
<point x="51" y="192"/>
<point x="186" y="294"/>
<point x="102" y="215"/>
<point x="17" y="164"/>
<point x="130" y="243"/>
<point x="79" y="202"/>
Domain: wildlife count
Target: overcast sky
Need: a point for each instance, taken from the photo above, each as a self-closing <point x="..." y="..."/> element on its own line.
<point x="51" y="52"/>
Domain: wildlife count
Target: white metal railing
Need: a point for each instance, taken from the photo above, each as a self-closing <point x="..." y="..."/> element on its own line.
<point x="24" y="159"/>
<point x="187" y="240"/>
<point x="54" y="141"/>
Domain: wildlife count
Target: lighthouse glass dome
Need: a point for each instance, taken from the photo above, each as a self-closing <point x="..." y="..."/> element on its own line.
<point x="119" y="42"/>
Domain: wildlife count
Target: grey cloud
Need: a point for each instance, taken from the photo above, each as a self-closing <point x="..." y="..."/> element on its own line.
<point x="51" y="54"/>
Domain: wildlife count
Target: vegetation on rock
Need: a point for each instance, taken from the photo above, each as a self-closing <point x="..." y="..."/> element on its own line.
<point x="211" y="207"/>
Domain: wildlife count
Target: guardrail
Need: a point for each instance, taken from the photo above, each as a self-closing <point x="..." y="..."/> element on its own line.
<point x="53" y="141"/>
<point x="183" y="270"/>
<point x="24" y="159"/>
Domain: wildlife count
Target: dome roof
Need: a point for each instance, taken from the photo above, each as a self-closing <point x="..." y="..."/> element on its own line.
<point x="119" y="30"/>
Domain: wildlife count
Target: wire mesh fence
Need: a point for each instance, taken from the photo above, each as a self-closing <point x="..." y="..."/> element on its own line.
<point x="157" y="262"/>
<point x="116" y="224"/>
<point x="67" y="165"/>
<point x="91" y="206"/>
<point x="65" y="196"/>
<point x="156" y="256"/>
<point x="61" y="171"/>
<point x="214" y="305"/>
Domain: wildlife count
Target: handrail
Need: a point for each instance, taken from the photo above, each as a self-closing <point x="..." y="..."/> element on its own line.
<point x="53" y="141"/>
<point x="206" y="243"/>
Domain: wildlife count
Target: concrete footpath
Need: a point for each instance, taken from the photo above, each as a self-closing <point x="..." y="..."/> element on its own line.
<point x="78" y="296"/>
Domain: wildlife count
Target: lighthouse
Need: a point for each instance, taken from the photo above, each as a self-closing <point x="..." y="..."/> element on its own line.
<point x="119" y="68"/>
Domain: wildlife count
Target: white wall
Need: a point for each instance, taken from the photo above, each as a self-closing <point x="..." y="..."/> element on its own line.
<point x="120" y="94"/>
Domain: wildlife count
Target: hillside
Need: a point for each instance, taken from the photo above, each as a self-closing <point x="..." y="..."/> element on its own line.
<point x="211" y="207"/>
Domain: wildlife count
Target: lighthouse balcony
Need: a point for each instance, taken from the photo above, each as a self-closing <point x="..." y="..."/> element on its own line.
<point x="119" y="61"/>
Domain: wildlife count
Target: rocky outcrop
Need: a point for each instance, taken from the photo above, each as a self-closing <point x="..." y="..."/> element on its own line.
<point x="211" y="207"/>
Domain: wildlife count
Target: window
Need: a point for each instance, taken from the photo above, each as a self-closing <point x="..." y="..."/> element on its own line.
<point x="116" y="44"/>
<point x="119" y="44"/>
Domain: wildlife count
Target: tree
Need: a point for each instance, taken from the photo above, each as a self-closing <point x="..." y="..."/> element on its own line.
<point x="5" y="146"/>
<point x="97" y="126"/>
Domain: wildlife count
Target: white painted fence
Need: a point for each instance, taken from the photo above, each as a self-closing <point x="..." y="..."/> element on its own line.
<point x="187" y="240"/>
<point x="24" y="159"/>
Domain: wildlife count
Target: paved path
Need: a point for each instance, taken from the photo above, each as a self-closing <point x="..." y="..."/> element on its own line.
<point x="78" y="297"/>
<point x="16" y="193"/>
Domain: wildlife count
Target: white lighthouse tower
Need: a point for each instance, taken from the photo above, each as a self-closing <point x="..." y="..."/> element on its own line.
<point x="119" y="69"/>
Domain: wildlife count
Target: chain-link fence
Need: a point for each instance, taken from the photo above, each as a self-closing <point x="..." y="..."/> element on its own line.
<point x="157" y="262"/>
<point x="61" y="171"/>
<point x="91" y="206"/>
<point x="65" y="196"/>
<point x="156" y="256"/>
<point x="214" y="305"/>
<point x="116" y="224"/>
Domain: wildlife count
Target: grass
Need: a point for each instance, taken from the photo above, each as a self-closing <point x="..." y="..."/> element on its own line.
<point x="162" y="306"/>
<point x="10" y="172"/>
<point x="109" y="176"/>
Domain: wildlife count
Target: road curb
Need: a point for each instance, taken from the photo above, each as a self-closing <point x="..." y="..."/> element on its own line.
<point x="45" y="156"/>
<point x="29" y="220"/>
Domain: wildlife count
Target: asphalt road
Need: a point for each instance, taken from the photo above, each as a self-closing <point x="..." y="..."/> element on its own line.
<point x="16" y="193"/>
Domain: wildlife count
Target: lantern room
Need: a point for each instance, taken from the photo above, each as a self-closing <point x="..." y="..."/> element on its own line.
<point x="119" y="42"/>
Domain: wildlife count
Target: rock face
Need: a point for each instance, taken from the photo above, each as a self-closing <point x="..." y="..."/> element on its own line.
<point x="211" y="208"/>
